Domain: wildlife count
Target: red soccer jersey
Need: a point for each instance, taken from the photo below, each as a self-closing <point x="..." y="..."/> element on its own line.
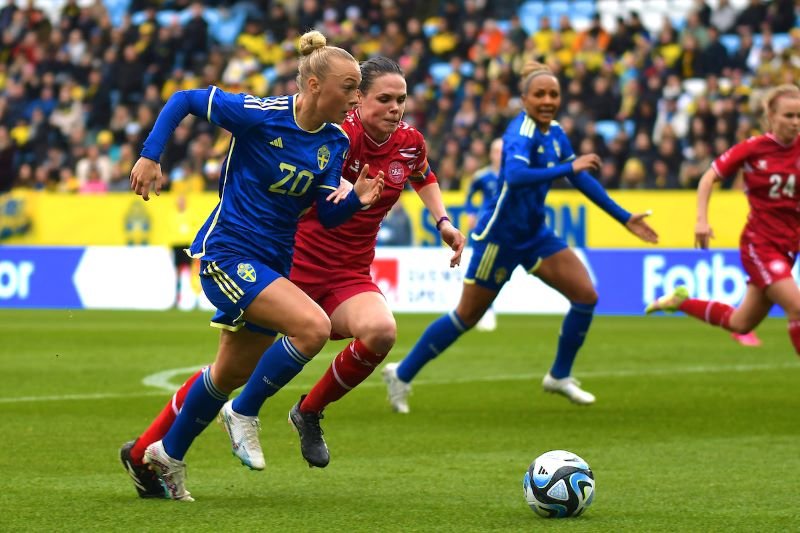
<point x="771" y="170"/>
<point x="327" y="255"/>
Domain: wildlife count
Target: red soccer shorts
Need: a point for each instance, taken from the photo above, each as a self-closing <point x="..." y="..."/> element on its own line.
<point x="764" y="262"/>
<point x="330" y="294"/>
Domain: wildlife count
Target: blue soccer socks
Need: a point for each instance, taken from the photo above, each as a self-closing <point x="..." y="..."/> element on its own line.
<point x="442" y="332"/>
<point x="203" y="402"/>
<point x="573" y="332"/>
<point x="279" y="364"/>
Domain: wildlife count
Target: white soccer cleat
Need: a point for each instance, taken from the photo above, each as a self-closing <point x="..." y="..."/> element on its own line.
<point x="488" y="321"/>
<point x="243" y="432"/>
<point x="171" y="472"/>
<point x="569" y="387"/>
<point x="398" y="390"/>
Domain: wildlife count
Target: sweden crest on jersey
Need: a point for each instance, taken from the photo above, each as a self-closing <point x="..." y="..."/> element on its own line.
<point x="323" y="156"/>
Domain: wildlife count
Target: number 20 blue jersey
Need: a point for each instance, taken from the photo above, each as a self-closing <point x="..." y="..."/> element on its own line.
<point x="272" y="174"/>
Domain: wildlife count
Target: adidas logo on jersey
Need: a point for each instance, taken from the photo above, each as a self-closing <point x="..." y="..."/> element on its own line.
<point x="277" y="142"/>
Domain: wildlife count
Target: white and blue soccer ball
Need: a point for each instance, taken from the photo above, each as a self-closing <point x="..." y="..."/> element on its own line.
<point x="558" y="484"/>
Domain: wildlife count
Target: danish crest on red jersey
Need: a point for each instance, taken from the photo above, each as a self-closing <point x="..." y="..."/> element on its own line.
<point x="396" y="172"/>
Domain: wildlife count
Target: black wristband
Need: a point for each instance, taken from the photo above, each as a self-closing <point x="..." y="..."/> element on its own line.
<point x="443" y="219"/>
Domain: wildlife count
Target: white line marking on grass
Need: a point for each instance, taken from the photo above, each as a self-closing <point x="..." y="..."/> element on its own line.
<point x="161" y="381"/>
<point x="68" y="397"/>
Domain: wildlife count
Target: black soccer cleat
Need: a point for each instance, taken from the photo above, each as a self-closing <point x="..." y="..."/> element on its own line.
<point x="145" y="480"/>
<point x="312" y="444"/>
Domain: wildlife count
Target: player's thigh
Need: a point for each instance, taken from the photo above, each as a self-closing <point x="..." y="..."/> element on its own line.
<point x="365" y="315"/>
<point x="282" y="306"/>
<point x="566" y="273"/>
<point x="751" y="311"/>
<point x="237" y="356"/>
<point x="786" y="294"/>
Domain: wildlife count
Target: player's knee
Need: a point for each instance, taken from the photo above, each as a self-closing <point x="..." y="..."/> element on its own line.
<point x="228" y="378"/>
<point x="792" y="311"/>
<point x="312" y="337"/>
<point x="380" y="336"/>
<point x="587" y="296"/>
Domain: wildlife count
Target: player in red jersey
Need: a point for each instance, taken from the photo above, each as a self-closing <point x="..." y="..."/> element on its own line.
<point x="770" y="238"/>
<point x="333" y="268"/>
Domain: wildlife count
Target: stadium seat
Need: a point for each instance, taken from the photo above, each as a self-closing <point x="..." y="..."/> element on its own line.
<point x="731" y="41"/>
<point x="529" y="15"/>
<point x="630" y="127"/>
<point x="631" y="6"/>
<point x="440" y="71"/>
<point x="583" y="8"/>
<point x="608" y="129"/>
<point x="780" y="41"/>
<point x="556" y="8"/>
<point x="653" y="21"/>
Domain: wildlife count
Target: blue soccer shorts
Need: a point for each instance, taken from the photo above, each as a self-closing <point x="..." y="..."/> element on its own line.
<point x="493" y="262"/>
<point x="231" y="284"/>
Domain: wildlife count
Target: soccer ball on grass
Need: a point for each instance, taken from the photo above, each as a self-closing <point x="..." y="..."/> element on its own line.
<point x="559" y="484"/>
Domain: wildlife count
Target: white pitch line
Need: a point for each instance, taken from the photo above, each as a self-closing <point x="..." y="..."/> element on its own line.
<point x="160" y="380"/>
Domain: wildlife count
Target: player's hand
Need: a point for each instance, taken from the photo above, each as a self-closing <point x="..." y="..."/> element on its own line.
<point x="588" y="162"/>
<point x="368" y="189"/>
<point x="145" y="175"/>
<point x="454" y="239"/>
<point x="343" y="190"/>
<point x="639" y="227"/>
<point x="702" y="234"/>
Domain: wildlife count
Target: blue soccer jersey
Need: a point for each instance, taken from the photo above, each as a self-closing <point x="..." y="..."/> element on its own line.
<point x="516" y="213"/>
<point x="272" y="174"/>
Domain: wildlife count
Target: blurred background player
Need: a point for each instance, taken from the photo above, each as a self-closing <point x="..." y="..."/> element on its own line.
<point x="285" y="153"/>
<point x="769" y="241"/>
<point x="333" y="267"/>
<point x="513" y="232"/>
<point x="485" y="182"/>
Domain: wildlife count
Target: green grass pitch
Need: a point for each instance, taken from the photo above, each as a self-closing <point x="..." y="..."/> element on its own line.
<point x="690" y="432"/>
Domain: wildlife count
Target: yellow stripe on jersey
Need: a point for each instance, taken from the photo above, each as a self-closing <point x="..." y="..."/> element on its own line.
<point x="202" y="252"/>
<point x="237" y="291"/>
<point x="487" y="261"/>
<point x="322" y="186"/>
<point x="528" y="127"/>
<point x="497" y="207"/>
<point x="210" y="98"/>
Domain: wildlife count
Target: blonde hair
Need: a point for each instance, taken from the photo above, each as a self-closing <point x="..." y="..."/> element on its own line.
<point x="316" y="56"/>
<point x="530" y="70"/>
<point x="770" y="101"/>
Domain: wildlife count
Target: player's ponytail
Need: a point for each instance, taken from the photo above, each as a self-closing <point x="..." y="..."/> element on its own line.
<point x="315" y="57"/>
<point x="530" y="70"/>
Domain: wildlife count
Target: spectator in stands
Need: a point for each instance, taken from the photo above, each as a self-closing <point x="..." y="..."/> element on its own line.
<point x="714" y="56"/>
<point x="752" y="15"/>
<point x="723" y="17"/>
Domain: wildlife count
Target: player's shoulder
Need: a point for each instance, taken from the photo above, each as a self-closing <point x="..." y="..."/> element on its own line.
<point x="556" y="129"/>
<point x="269" y="105"/>
<point x="522" y="126"/>
<point x="352" y="126"/>
<point x="483" y="172"/>
<point x="407" y="136"/>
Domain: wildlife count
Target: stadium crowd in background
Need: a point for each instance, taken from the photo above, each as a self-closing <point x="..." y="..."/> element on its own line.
<point x="80" y="88"/>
